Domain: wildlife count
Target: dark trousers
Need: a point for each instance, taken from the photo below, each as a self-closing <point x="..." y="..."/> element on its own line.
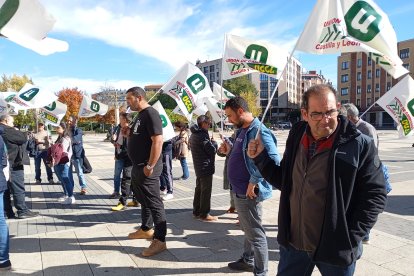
<point x="147" y="192"/>
<point x="16" y="189"/>
<point x="166" y="179"/>
<point x="41" y="156"/>
<point x="125" y="185"/>
<point x="202" y="196"/>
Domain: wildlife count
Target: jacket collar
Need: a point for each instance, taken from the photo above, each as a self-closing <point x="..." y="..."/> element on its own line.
<point x="347" y="130"/>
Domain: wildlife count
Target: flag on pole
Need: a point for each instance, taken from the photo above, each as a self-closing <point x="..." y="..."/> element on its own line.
<point x="216" y="110"/>
<point x="243" y="56"/>
<point x="3" y="105"/>
<point x="398" y="102"/>
<point x="26" y="22"/>
<point x="53" y="113"/>
<point x="336" y="26"/>
<point x="30" y="96"/>
<point x="188" y="88"/>
<point x="217" y="91"/>
<point x="167" y="127"/>
<point x="90" y="108"/>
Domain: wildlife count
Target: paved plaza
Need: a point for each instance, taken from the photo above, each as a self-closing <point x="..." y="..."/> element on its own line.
<point x="89" y="239"/>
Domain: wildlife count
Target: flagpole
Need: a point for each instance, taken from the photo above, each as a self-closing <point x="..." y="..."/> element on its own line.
<point x="221" y="84"/>
<point x="154" y="95"/>
<point x="368" y="109"/>
<point x="277" y="85"/>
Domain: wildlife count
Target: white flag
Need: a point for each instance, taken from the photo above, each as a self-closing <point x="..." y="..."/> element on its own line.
<point x="243" y="56"/>
<point x="3" y="105"/>
<point x="188" y="88"/>
<point x="167" y="128"/>
<point x="31" y="96"/>
<point x="90" y="108"/>
<point x="398" y="102"/>
<point x="53" y="113"/>
<point x="216" y="110"/>
<point x="26" y="22"/>
<point x="336" y="26"/>
<point x="178" y="111"/>
<point x="201" y="109"/>
<point x="217" y="91"/>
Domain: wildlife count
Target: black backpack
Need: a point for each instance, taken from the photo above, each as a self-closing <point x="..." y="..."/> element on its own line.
<point x="31" y="147"/>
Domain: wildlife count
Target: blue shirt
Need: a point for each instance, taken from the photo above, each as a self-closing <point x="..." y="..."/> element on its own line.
<point x="237" y="172"/>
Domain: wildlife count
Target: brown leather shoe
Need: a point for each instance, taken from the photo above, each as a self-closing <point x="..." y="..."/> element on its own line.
<point x="155" y="247"/>
<point x="141" y="234"/>
<point x="231" y="210"/>
<point x="83" y="191"/>
<point x="209" y="218"/>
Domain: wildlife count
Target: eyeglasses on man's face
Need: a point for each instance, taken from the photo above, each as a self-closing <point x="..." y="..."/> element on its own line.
<point x="317" y="116"/>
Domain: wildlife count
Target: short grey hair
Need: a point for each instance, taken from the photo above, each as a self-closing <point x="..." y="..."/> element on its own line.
<point x="351" y="110"/>
<point x="5" y="117"/>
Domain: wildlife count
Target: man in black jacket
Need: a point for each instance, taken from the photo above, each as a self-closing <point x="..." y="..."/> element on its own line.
<point x="15" y="141"/>
<point x="203" y="151"/>
<point x="332" y="188"/>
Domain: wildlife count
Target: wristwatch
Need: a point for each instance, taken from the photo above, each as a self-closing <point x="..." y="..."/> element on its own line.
<point x="149" y="167"/>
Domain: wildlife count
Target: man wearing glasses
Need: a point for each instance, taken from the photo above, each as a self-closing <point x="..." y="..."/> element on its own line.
<point x="332" y="188"/>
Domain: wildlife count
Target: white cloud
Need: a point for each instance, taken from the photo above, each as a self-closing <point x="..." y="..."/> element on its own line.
<point x="90" y="86"/>
<point x="172" y="31"/>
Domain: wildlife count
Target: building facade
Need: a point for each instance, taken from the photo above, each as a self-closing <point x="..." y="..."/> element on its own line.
<point x="112" y="97"/>
<point x="362" y="82"/>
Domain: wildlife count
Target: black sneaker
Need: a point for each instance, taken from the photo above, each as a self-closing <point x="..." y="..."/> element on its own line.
<point x="5" y="266"/>
<point x="240" y="265"/>
<point x="28" y="214"/>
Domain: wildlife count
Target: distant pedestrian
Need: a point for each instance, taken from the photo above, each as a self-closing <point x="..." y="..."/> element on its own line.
<point x="42" y="140"/>
<point x="204" y="151"/>
<point x="144" y="149"/>
<point x="117" y="139"/>
<point x="183" y="140"/>
<point x="166" y="178"/>
<point x="76" y="135"/>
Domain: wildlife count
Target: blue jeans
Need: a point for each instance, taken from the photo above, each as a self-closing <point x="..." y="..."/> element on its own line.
<point x="77" y="163"/>
<point x="64" y="174"/>
<point x="166" y="178"/>
<point x="255" y="242"/>
<point x="4" y="234"/>
<point x="42" y="155"/>
<point x="16" y="188"/>
<point x="119" y="165"/>
<point x="295" y="262"/>
<point x="184" y="166"/>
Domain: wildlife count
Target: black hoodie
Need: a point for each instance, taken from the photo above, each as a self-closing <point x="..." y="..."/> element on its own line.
<point x="203" y="151"/>
<point x="15" y="141"/>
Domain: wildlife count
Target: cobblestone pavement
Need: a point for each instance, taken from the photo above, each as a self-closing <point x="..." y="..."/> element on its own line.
<point x="87" y="238"/>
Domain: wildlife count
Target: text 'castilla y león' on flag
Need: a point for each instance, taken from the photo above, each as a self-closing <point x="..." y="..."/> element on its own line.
<point x="90" y="108"/>
<point x="188" y="87"/>
<point x="336" y="26"/>
<point x="398" y="102"/>
<point x="26" y="22"/>
<point x="243" y="56"/>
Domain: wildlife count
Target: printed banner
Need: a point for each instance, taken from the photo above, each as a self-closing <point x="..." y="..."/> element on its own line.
<point x="53" y="113"/>
<point x="26" y="22"/>
<point x="336" y="26"/>
<point x="31" y="96"/>
<point x="243" y="56"/>
<point x="90" y="108"/>
<point x="221" y="94"/>
<point x="188" y="88"/>
<point x="398" y="102"/>
<point x="216" y="110"/>
<point x="167" y="128"/>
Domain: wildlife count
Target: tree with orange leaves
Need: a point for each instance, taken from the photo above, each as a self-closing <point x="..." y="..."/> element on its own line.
<point x="72" y="97"/>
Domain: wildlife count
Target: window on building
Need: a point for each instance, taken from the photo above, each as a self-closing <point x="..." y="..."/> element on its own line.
<point x="359" y="76"/>
<point x="211" y="68"/>
<point x="263" y="77"/>
<point x="388" y="86"/>
<point x="406" y="66"/>
<point x="369" y="60"/>
<point x="345" y="65"/>
<point x="369" y="74"/>
<point x="358" y="103"/>
<point x="368" y="102"/>
<point x="405" y="53"/>
<point x="358" y="89"/>
<point x="205" y="69"/>
<point x="344" y="101"/>
<point x="369" y="88"/>
<point x="344" y="91"/>
<point x="264" y="86"/>
<point x="377" y="73"/>
<point x="359" y="63"/>
<point x="377" y="87"/>
<point x="264" y="94"/>
<point x="212" y="77"/>
<point x="344" y="78"/>
<point x="264" y="102"/>
<point x="218" y="74"/>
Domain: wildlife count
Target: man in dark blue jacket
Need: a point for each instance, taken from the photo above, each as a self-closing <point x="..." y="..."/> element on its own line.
<point x="332" y="188"/>
<point x="203" y="151"/>
<point x="15" y="141"/>
<point x="76" y="135"/>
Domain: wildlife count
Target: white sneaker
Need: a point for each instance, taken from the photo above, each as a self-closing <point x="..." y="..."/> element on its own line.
<point x="62" y="198"/>
<point x="168" y="197"/>
<point x="163" y="192"/>
<point x="69" y="200"/>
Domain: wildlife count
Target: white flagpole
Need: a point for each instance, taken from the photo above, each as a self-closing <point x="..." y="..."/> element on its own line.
<point x="368" y="109"/>
<point x="221" y="83"/>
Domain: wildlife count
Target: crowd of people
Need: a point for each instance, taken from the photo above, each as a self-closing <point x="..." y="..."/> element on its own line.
<point x="330" y="176"/>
